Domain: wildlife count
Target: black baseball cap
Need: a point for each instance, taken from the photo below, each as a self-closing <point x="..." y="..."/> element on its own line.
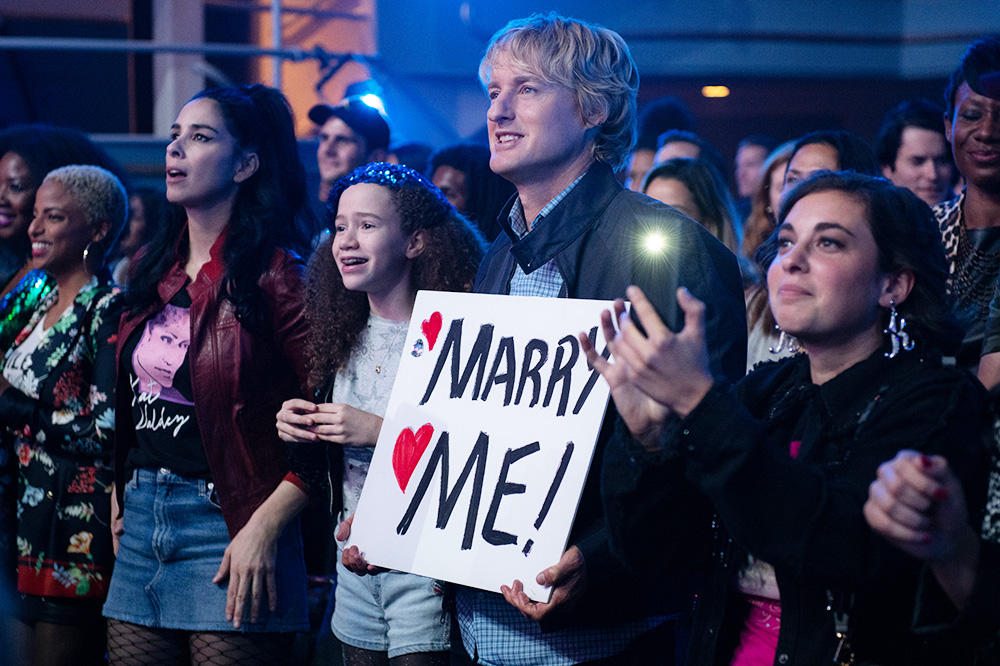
<point x="364" y="119"/>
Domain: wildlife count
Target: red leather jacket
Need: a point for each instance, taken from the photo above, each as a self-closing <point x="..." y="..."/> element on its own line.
<point x="239" y="380"/>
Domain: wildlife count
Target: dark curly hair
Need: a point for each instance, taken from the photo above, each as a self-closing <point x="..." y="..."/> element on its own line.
<point x="451" y="256"/>
<point x="907" y="237"/>
<point x="269" y="212"/>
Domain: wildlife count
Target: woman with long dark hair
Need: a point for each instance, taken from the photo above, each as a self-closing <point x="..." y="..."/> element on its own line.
<point x="794" y="574"/>
<point x="211" y="343"/>
<point x="825" y="150"/>
<point x="694" y="187"/>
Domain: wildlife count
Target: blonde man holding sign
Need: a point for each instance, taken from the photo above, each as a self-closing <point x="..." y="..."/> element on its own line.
<point x="561" y="120"/>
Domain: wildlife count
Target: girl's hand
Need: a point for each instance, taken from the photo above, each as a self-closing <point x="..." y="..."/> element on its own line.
<point x="671" y="368"/>
<point x="343" y="424"/>
<point x="295" y="422"/>
<point x="352" y="558"/>
<point x="642" y="415"/>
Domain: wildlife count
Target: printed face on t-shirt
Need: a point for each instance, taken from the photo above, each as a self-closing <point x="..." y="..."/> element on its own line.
<point x="161" y="351"/>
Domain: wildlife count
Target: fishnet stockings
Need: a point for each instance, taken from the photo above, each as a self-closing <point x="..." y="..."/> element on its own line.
<point x="354" y="656"/>
<point x="232" y="648"/>
<point x="134" y="645"/>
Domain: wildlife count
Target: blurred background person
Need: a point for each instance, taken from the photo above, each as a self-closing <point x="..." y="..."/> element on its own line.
<point x="750" y="155"/>
<point x="679" y="143"/>
<point x="829" y="150"/>
<point x="462" y="173"/>
<point x="970" y="223"/>
<point x="761" y="222"/>
<point x="414" y="154"/>
<point x="695" y="188"/>
<point x="27" y="154"/>
<point x="656" y="117"/>
<point x="351" y="134"/>
<point x="147" y="211"/>
<point x="914" y="153"/>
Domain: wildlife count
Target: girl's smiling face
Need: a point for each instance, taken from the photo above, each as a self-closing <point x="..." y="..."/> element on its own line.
<point x="372" y="251"/>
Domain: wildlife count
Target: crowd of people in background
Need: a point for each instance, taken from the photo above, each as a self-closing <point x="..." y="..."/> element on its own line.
<point x="800" y="463"/>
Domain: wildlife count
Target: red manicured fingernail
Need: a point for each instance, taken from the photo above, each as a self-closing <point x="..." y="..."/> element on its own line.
<point x="940" y="494"/>
<point x="925" y="461"/>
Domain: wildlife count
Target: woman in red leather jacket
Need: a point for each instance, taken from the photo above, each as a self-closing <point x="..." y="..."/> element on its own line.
<point x="211" y="343"/>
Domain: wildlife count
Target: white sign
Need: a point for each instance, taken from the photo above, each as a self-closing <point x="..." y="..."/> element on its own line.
<point x="485" y="446"/>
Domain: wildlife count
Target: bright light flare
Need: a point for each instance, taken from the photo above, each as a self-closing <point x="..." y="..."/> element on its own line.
<point x="654" y="242"/>
<point x="374" y="101"/>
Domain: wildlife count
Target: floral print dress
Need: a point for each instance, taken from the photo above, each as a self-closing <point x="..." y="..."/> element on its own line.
<point x="58" y="420"/>
<point x="16" y="309"/>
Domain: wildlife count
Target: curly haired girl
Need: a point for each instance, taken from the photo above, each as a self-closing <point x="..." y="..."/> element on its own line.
<point x="393" y="234"/>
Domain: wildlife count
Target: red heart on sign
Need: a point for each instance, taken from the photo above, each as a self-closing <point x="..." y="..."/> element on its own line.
<point x="431" y="327"/>
<point x="409" y="448"/>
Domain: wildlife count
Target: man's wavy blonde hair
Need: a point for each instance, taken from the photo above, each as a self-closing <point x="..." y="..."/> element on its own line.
<point x="591" y="61"/>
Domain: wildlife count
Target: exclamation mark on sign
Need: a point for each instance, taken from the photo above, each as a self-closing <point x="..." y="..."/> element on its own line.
<point x="551" y="495"/>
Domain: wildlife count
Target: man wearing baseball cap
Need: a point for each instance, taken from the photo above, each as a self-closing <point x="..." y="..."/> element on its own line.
<point x="351" y="134"/>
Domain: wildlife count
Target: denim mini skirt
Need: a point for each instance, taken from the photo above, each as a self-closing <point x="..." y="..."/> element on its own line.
<point x="172" y="547"/>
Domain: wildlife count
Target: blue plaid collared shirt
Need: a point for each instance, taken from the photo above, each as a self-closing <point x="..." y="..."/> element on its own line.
<point x="495" y="633"/>
<point x="546" y="280"/>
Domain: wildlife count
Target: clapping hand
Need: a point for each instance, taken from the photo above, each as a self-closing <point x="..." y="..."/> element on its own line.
<point x="657" y="371"/>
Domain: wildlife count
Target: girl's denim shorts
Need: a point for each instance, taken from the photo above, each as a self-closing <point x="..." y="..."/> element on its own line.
<point x="395" y="612"/>
<point x="172" y="547"/>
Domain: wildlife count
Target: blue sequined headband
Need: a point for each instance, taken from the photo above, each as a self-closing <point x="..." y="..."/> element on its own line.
<point x="393" y="176"/>
<point x="383" y="173"/>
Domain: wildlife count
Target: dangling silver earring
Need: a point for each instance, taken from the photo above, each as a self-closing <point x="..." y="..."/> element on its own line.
<point x="898" y="336"/>
<point x="785" y="341"/>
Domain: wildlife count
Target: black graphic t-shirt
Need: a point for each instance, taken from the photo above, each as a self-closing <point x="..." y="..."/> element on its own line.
<point x="166" y="428"/>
